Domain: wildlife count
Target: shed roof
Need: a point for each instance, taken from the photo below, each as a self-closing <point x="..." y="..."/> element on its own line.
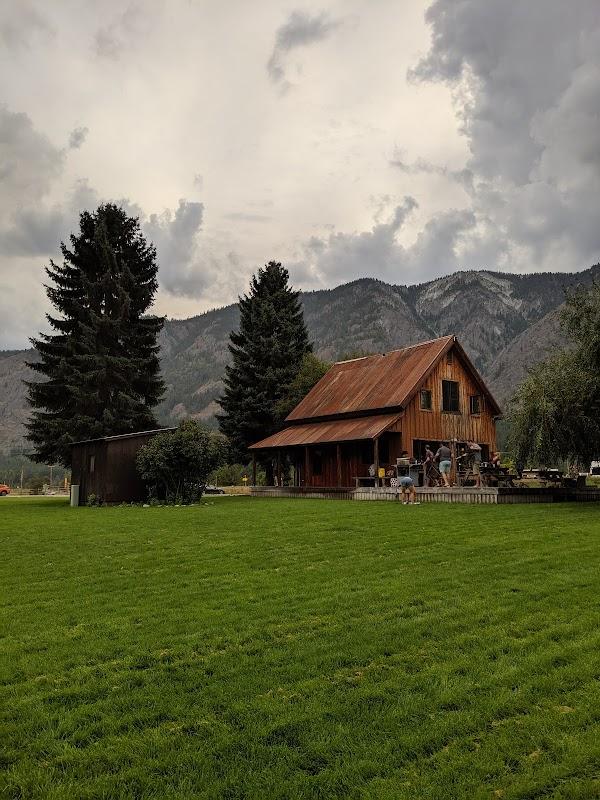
<point x="330" y="431"/>
<point x="379" y="382"/>
<point x="152" y="432"/>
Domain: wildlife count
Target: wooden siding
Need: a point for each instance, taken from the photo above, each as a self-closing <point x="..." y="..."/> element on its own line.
<point x="114" y="478"/>
<point x="437" y="425"/>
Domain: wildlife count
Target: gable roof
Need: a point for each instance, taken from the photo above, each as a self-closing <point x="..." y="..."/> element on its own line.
<point x="380" y="382"/>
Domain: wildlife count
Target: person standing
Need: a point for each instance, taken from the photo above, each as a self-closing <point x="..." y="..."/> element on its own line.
<point x="428" y="465"/>
<point x="475" y="454"/>
<point x="444" y="459"/>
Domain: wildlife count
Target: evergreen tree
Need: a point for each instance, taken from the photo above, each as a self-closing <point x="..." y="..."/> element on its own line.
<point x="267" y="354"/>
<point x="101" y="365"/>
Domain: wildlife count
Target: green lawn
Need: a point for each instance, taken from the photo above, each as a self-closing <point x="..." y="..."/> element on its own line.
<point x="256" y="648"/>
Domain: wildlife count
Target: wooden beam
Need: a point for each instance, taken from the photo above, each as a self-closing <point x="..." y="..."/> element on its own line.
<point x="253" y="469"/>
<point x="306" y="466"/>
<point x="376" y="460"/>
<point x="338" y="457"/>
<point x="278" y="467"/>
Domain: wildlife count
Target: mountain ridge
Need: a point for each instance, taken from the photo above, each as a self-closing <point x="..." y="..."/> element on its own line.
<point x="506" y="322"/>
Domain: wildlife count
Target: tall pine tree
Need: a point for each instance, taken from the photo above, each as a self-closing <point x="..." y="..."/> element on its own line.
<point x="101" y="364"/>
<point x="267" y="353"/>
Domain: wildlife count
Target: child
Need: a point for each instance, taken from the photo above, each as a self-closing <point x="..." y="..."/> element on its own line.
<point x="408" y="491"/>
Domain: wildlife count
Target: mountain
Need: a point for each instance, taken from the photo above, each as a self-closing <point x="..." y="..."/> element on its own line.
<point x="505" y="322"/>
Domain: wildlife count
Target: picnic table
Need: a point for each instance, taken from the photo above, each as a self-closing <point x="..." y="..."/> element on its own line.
<point x="497" y="476"/>
<point x="552" y="476"/>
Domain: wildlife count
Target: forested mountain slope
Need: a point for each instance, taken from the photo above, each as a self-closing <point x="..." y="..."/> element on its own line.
<point x="506" y="323"/>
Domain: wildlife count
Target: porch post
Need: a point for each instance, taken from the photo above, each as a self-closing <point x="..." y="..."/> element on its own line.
<point x="338" y="457"/>
<point x="253" y="469"/>
<point x="278" y="467"/>
<point x="306" y="465"/>
<point x="376" y="460"/>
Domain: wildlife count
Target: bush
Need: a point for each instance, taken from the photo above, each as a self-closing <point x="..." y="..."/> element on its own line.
<point x="230" y="475"/>
<point x="175" y="466"/>
<point x="35" y="484"/>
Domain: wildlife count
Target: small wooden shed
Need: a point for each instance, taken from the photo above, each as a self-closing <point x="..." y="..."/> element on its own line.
<point x="105" y="467"/>
<point x="366" y="411"/>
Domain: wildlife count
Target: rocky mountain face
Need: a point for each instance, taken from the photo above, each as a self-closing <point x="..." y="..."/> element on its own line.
<point x="505" y="322"/>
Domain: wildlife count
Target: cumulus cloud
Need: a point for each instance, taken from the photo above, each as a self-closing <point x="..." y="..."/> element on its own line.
<point x="29" y="162"/>
<point x="526" y="82"/>
<point x="77" y="137"/>
<point x="174" y="235"/>
<point x="347" y="256"/>
<point x="300" y="30"/>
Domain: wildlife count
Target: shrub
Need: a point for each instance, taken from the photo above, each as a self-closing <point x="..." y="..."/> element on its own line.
<point x="175" y="466"/>
<point x="35" y="484"/>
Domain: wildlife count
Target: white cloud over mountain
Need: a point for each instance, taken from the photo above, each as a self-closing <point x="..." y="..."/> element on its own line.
<point x="401" y="141"/>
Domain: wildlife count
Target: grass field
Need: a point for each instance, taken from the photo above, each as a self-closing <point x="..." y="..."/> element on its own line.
<point x="255" y="648"/>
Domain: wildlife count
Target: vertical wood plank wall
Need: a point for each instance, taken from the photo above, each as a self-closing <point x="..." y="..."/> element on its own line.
<point x="436" y="425"/>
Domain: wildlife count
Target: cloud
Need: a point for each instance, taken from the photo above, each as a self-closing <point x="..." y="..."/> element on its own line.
<point x="526" y="83"/>
<point x="180" y="271"/>
<point x="300" y="30"/>
<point x="115" y="38"/>
<point x="241" y="216"/>
<point x="341" y="256"/>
<point x="77" y="137"/>
<point x="20" y="23"/>
<point x="29" y="162"/>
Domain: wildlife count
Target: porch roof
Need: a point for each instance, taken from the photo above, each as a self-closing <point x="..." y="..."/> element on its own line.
<point x="341" y="430"/>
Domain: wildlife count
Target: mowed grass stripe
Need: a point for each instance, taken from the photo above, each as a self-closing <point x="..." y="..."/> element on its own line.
<point x="256" y="648"/>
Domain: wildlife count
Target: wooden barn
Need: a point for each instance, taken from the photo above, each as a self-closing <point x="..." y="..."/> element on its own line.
<point x="368" y="410"/>
<point x="105" y="467"/>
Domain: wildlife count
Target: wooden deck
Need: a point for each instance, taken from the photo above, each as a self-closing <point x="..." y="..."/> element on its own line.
<point x="470" y="495"/>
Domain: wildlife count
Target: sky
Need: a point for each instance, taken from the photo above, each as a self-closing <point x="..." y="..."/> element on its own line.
<point x="395" y="139"/>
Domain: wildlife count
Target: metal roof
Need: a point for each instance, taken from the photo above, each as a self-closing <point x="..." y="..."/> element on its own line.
<point x="374" y="382"/>
<point x="378" y="382"/>
<point x="124" y="436"/>
<point x="341" y="430"/>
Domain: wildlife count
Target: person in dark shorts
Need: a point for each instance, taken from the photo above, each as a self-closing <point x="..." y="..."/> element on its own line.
<point x="429" y="466"/>
<point x="409" y="493"/>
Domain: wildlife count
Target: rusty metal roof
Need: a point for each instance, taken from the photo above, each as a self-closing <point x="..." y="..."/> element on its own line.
<point x="342" y="430"/>
<point x="373" y="382"/>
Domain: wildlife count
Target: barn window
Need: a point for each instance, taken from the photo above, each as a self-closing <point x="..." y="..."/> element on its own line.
<point x="475" y="404"/>
<point x="450" y="357"/>
<point x="450" y="401"/>
<point x="425" y="399"/>
<point x="92" y="463"/>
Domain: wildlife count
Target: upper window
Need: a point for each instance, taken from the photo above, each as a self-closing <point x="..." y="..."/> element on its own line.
<point x="450" y="357"/>
<point x="426" y="399"/>
<point x="450" y="400"/>
<point x="475" y="404"/>
<point x="92" y="463"/>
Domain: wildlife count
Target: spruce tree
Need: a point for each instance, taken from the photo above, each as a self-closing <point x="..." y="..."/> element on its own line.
<point x="267" y="353"/>
<point x="101" y="366"/>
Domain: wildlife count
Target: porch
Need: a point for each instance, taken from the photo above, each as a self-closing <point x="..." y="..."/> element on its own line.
<point x="338" y="453"/>
<point x="468" y="495"/>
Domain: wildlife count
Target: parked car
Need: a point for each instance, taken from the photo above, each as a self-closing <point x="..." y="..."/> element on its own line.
<point x="4" y="490"/>
<point x="209" y="489"/>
